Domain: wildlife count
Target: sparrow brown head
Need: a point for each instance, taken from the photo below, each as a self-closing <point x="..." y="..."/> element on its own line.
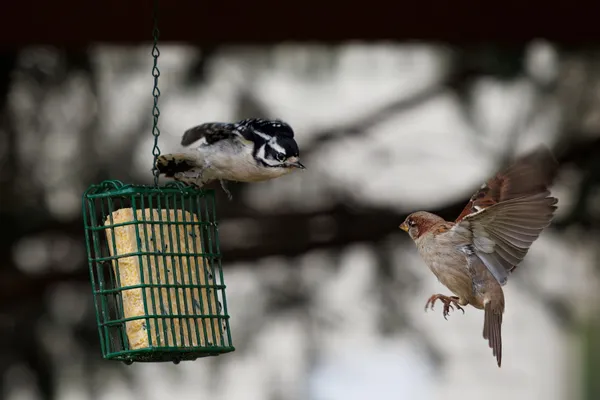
<point x="474" y="255"/>
<point x="419" y="223"/>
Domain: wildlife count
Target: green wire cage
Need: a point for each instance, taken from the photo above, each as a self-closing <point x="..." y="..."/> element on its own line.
<point x="155" y="269"/>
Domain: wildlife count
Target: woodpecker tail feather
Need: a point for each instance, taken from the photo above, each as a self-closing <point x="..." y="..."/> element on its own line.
<point x="171" y="164"/>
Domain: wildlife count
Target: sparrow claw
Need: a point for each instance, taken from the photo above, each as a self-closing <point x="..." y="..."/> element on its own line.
<point x="449" y="303"/>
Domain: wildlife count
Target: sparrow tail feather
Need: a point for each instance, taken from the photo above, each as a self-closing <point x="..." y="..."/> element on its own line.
<point x="492" y="327"/>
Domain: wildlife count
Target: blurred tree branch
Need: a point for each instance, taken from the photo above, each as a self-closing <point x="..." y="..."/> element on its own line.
<point x="286" y="235"/>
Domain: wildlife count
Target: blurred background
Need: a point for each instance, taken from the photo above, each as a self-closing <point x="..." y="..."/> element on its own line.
<point x="325" y="294"/>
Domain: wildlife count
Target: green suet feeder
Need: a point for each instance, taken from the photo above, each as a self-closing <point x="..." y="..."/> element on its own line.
<point x="155" y="267"/>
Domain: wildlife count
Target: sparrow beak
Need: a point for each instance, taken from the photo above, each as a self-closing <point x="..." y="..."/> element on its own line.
<point x="404" y="226"/>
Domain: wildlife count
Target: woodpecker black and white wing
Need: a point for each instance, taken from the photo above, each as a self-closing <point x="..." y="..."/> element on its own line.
<point x="209" y="133"/>
<point x="264" y="128"/>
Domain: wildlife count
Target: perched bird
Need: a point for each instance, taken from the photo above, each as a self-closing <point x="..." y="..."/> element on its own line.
<point x="251" y="150"/>
<point x="474" y="255"/>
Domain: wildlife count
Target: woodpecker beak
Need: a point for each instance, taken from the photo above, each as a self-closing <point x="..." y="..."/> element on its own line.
<point x="293" y="162"/>
<point x="297" y="164"/>
<point x="404" y="226"/>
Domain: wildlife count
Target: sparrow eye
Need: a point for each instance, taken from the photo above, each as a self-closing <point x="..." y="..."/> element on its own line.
<point x="280" y="157"/>
<point x="411" y="223"/>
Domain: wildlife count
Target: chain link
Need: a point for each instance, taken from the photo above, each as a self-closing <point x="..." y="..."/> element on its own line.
<point x="155" y="93"/>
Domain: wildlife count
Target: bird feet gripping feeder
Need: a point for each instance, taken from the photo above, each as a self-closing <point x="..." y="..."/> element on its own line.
<point x="155" y="267"/>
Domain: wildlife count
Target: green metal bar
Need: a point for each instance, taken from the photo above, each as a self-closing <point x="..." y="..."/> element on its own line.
<point x="191" y="262"/>
<point x="119" y="321"/>
<point x="213" y="349"/>
<point x="105" y="308"/>
<point x="137" y="253"/>
<point x="150" y="279"/>
<point x="121" y="313"/>
<point x="133" y="223"/>
<point x="160" y="284"/>
<point x="141" y="265"/>
<point x="209" y="274"/>
<point x="91" y="266"/>
<point x="177" y="303"/>
<point x="191" y="268"/>
<point x="172" y="323"/>
<point x="220" y="269"/>
<point x="208" y="207"/>
<point x="138" y="189"/>
<point x="180" y="268"/>
<point x="163" y="285"/>
<point x="207" y="284"/>
<point x="118" y="294"/>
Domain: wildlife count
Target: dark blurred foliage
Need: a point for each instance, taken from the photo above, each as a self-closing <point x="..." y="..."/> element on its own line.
<point x="24" y="297"/>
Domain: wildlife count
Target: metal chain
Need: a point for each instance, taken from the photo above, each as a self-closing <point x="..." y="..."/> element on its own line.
<point x="155" y="93"/>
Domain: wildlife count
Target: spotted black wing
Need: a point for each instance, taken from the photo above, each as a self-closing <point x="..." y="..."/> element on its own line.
<point x="210" y="132"/>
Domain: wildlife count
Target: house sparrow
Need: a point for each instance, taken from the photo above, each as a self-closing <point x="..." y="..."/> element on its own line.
<point x="251" y="150"/>
<point x="474" y="255"/>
